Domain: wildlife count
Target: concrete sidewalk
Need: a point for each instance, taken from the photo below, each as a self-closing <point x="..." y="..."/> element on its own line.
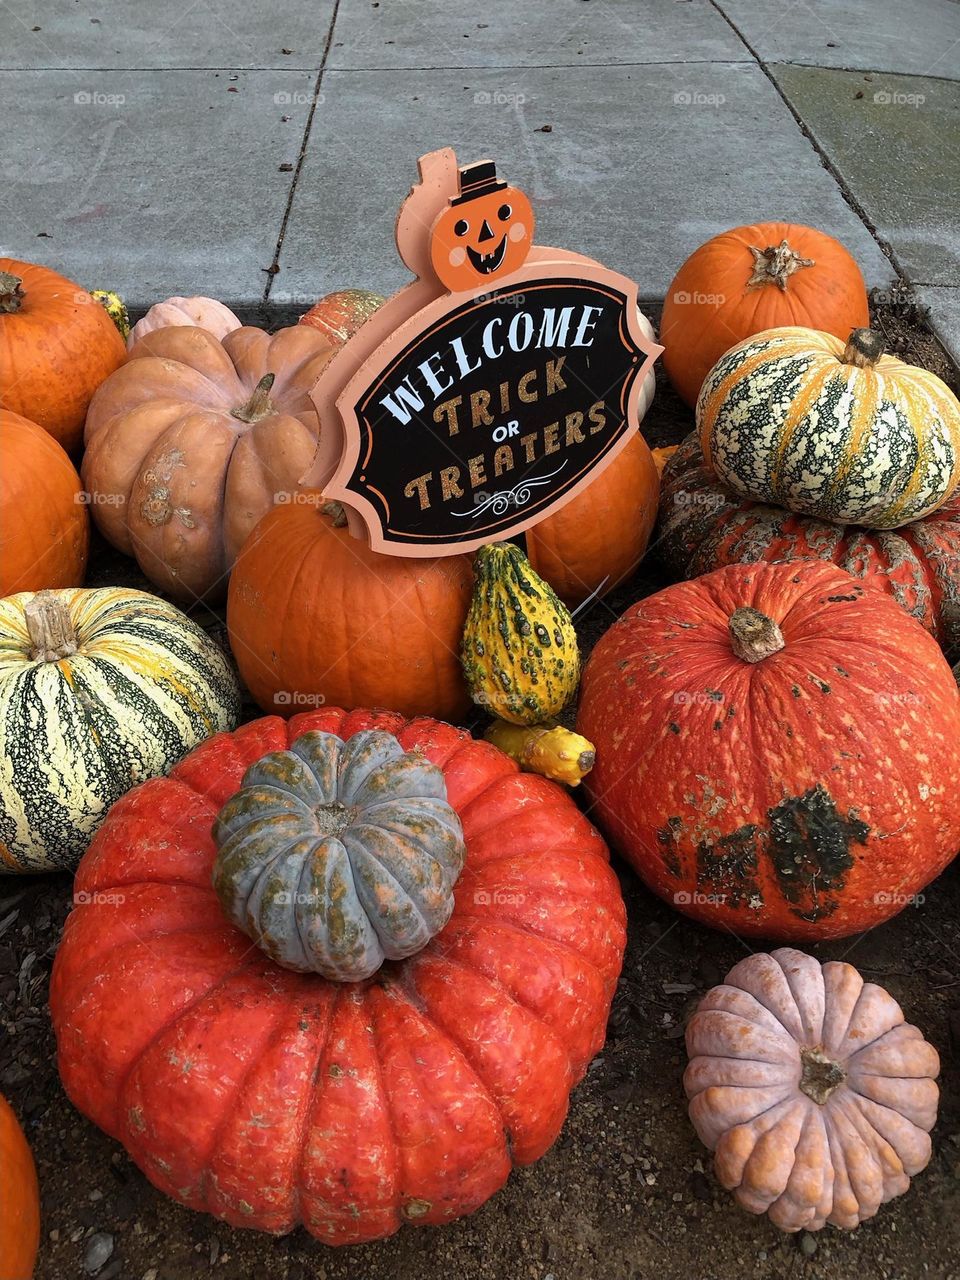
<point x="260" y="156"/>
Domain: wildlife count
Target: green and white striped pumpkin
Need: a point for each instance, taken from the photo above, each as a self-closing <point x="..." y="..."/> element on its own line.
<point x="845" y="433"/>
<point x="99" y="690"/>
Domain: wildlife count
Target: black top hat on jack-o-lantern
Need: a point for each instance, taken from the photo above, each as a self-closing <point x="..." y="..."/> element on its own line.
<point x="479" y="179"/>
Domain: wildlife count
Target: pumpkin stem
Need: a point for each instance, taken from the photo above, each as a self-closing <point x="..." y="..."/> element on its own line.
<point x="775" y="265"/>
<point x="864" y="348"/>
<point x="258" y="406"/>
<point x="11" y="292"/>
<point x="754" y="636"/>
<point x="820" y="1076"/>
<point x="336" y="513"/>
<point x="50" y="628"/>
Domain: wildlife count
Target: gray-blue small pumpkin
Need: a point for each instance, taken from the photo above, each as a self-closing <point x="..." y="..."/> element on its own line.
<point x="336" y="856"/>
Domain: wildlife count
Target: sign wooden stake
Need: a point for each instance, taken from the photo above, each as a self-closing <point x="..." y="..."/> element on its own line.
<point x="489" y="391"/>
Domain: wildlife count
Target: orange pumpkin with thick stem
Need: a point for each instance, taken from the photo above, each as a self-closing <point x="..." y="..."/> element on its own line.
<point x="44" y="526"/>
<point x="19" y="1200"/>
<point x="57" y="344"/>
<point x="599" y="537"/>
<point x="750" y="279"/>
<point x="316" y="617"/>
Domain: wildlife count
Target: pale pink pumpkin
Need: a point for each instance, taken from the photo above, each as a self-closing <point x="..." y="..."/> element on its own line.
<point x="814" y="1093"/>
<point x="203" y="313"/>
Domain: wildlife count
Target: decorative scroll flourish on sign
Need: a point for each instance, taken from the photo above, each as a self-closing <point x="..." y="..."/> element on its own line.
<point x="491" y="390"/>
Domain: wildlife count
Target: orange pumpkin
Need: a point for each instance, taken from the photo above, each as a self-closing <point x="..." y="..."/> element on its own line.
<point x="57" y="344"/>
<point x="194" y="439"/>
<point x="751" y="279"/>
<point x="315" y="617"/>
<point x="484" y="234"/>
<point x="44" y="526"/>
<point x="599" y="537"/>
<point x="19" y="1200"/>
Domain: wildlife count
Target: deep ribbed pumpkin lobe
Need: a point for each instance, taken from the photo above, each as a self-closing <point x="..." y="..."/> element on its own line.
<point x="335" y="856"/>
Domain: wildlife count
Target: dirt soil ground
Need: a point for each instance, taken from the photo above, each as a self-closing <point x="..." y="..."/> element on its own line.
<point x="626" y="1193"/>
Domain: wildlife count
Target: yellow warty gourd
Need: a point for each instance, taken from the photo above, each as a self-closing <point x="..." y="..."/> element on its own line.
<point x="520" y="654"/>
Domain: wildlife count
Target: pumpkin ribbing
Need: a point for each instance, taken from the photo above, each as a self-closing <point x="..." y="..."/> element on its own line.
<point x="99" y="689"/>
<point x="838" y="431"/>
<point x="335" y="856"/>
<point x="704" y="527"/>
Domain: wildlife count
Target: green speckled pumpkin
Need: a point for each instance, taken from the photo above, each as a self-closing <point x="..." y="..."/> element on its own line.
<point x="99" y="690"/>
<point x="845" y="433"/>
<point x="520" y="654"/>
<point x="336" y="856"/>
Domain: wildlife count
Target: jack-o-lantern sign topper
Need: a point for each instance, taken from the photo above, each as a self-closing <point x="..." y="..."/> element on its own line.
<point x="490" y="390"/>
<point x="484" y="234"/>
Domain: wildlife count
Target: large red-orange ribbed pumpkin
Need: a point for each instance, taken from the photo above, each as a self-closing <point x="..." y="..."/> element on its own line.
<point x="704" y="527"/>
<point x="315" y="616"/>
<point x="778" y="748"/>
<point x="44" y="526"/>
<point x="750" y="279"/>
<point x="19" y="1200"/>
<point x="57" y="344"/>
<point x="271" y="1098"/>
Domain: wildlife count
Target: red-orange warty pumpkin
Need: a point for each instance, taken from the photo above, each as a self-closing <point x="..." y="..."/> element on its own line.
<point x="777" y="749"/>
<point x="44" y="527"/>
<point x="704" y="527"/>
<point x="271" y="1098"/>
<point x="57" y="344"/>
<point x="750" y="279"/>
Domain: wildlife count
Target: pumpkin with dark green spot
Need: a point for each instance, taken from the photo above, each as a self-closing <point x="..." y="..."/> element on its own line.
<point x="777" y="746"/>
<point x="336" y="856"/>
<point x="520" y="654"/>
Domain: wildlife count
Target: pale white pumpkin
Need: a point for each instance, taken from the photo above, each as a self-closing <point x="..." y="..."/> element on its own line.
<point x="814" y="1093"/>
<point x="200" y="312"/>
<point x="838" y="431"/>
<point x="99" y="690"/>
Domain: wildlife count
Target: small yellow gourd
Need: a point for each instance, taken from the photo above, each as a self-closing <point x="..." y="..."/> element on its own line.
<point x="549" y="750"/>
<point x="115" y="308"/>
<point x="520" y="654"/>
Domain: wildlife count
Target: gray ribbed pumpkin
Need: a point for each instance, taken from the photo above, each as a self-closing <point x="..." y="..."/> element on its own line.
<point x="335" y="856"/>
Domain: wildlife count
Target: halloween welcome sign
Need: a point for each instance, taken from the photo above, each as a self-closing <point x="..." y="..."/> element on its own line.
<point x="490" y="390"/>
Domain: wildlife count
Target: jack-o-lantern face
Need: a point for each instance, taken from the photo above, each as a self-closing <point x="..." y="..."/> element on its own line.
<point x="486" y="232"/>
